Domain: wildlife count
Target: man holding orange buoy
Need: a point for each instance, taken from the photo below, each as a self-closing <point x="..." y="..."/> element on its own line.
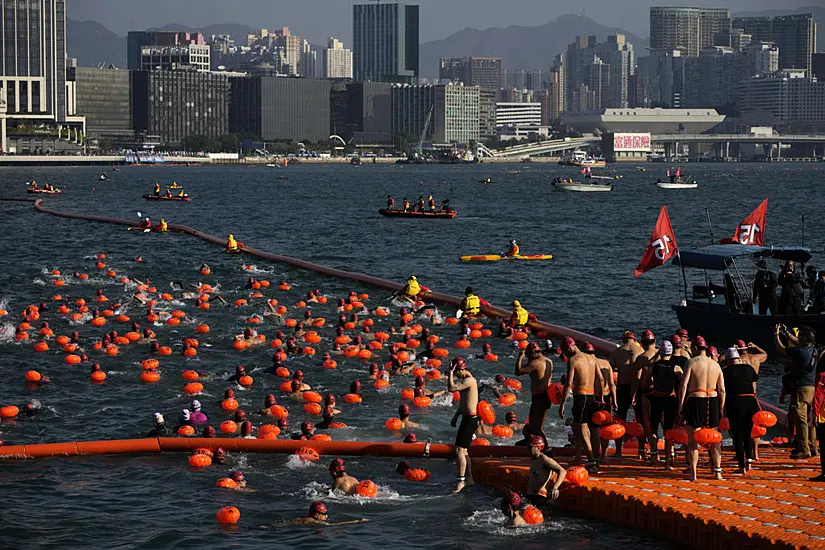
<point x="542" y="470"/>
<point x="510" y="507"/>
<point x="702" y="400"/>
<point x="341" y="481"/>
<point x="540" y="369"/>
<point x="585" y="379"/>
<point x="467" y="388"/>
<point x="318" y="516"/>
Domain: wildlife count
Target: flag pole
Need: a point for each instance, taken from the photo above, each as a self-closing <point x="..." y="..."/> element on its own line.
<point x="684" y="275"/>
<point x="710" y="225"/>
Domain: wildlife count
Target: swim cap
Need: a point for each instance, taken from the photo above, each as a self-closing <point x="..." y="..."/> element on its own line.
<point x="317" y="508"/>
<point x="713" y="352"/>
<point x="329" y="398"/>
<point x="510" y="417"/>
<point x="240" y="415"/>
<point x="154" y="347"/>
<point x="236" y="476"/>
<point x="459" y="362"/>
<point x="648" y="336"/>
<point x="299" y="374"/>
<point x="403" y="409"/>
<point x="209" y="431"/>
<point x="307" y="427"/>
<point x="337" y="466"/>
<point x="741" y="344"/>
<point x="402" y="467"/>
<point x="355" y="386"/>
<point x="96" y="367"/>
<point x="419" y="381"/>
<point x="184" y="415"/>
<point x="513" y="500"/>
<point x="567" y="343"/>
<point x="516" y="303"/>
<point x="159" y="418"/>
<point x="411" y="438"/>
<point x="418" y="392"/>
<point x="220" y="453"/>
<point x="537" y="441"/>
<point x="373" y="368"/>
<point x="282" y="423"/>
<point x="246" y="427"/>
<point x="683" y="333"/>
<point x="534" y="346"/>
<point x="731" y="353"/>
<point x="228" y="394"/>
<point x="667" y="348"/>
<point x="700" y="343"/>
<point x="675" y="340"/>
<point x="240" y="369"/>
<point x="269" y="400"/>
<point x="500" y="378"/>
<point x="195" y="405"/>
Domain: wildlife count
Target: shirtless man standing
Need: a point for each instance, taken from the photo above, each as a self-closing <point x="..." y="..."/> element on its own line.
<point x="702" y="400"/>
<point x="754" y="356"/>
<point x="540" y="369"/>
<point x="585" y="378"/>
<point x="607" y="402"/>
<point x="341" y="481"/>
<point x="542" y="470"/>
<point x="641" y="403"/>
<point x="467" y="387"/>
<point x="622" y="360"/>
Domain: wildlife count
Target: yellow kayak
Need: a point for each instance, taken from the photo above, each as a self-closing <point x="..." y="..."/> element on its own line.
<point x="496" y="257"/>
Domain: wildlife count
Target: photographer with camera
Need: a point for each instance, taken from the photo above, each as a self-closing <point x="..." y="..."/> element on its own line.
<point x="799" y="384"/>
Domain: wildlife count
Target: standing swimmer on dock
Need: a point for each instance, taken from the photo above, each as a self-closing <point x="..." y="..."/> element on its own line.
<point x="468" y="411"/>
<point x="540" y="369"/>
<point x="585" y="379"/>
<point x="702" y="400"/>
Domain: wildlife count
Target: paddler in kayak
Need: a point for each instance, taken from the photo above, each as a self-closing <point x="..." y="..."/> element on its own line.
<point x="231" y="244"/>
<point x="174" y="185"/>
<point x="520" y="316"/>
<point x="145" y="223"/>
<point x="471" y="304"/>
<point x="514" y="249"/>
<point x="390" y="203"/>
<point x="410" y="291"/>
<point x="168" y="194"/>
<point x="157" y="189"/>
<point x="181" y="194"/>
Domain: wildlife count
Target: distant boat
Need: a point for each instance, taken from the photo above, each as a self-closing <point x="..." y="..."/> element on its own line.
<point x="677" y="181"/>
<point x="581" y="187"/>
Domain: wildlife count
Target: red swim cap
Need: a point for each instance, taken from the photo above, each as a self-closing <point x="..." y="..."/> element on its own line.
<point x="403" y="409"/>
<point x="228" y="394"/>
<point x="699" y="342"/>
<point x="682" y="333"/>
<point x="588" y="347"/>
<point x="675" y="340"/>
<point x="741" y="344"/>
<point x="299" y="374"/>
<point x="513" y="500"/>
<point x="317" y="508"/>
<point x="648" y="335"/>
<point x="269" y="400"/>
<point x="307" y="427"/>
<point x="337" y="465"/>
<point x="567" y="343"/>
<point x="402" y="467"/>
<point x="411" y="438"/>
<point x="510" y="417"/>
<point x="537" y="441"/>
<point x="236" y="476"/>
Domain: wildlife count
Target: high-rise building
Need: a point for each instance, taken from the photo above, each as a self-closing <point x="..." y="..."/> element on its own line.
<point x="385" y="42"/>
<point x="689" y="30"/>
<point x="167" y="51"/>
<point x="619" y="55"/>
<point x="361" y="112"/>
<point x="762" y="57"/>
<point x="518" y="114"/>
<point x="558" y="86"/>
<point x="276" y="108"/>
<point x="484" y="72"/>
<point x="786" y="100"/>
<point x="104" y="97"/>
<point x="718" y="71"/>
<point x="599" y="74"/>
<point x="337" y="60"/>
<point x="794" y="35"/>
<point x="176" y="105"/>
<point x="444" y="113"/>
<point x="818" y="66"/>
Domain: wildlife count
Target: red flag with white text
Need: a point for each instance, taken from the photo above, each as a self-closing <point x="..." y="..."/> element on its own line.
<point x="661" y="247"/>
<point x="752" y="228"/>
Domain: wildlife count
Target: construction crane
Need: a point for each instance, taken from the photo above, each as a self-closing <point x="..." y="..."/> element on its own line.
<point x="419" y="150"/>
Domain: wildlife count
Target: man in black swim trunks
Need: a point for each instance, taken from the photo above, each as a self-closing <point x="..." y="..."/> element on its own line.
<point x="585" y="379"/>
<point x="666" y="376"/>
<point x="540" y="369"/>
<point x="462" y="381"/>
<point x="622" y="360"/>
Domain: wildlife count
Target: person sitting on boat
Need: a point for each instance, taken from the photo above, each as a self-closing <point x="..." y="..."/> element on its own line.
<point x="520" y="316"/>
<point x="157" y="189"/>
<point x="431" y="203"/>
<point x="406" y="205"/>
<point x="168" y="194"/>
<point x="514" y="249"/>
<point x="174" y="185"/>
<point x="163" y="227"/>
<point x="34" y="185"/>
<point x="231" y="244"/>
<point x="471" y="304"/>
<point x="445" y="205"/>
<point x="411" y="290"/>
<point x="49" y="187"/>
<point x="421" y="203"/>
<point x="390" y="202"/>
<point x="145" y="223"/>
<point x="181" y="194"/>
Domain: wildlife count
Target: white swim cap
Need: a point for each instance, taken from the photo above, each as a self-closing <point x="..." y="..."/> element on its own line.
<point x="159" y="418"/>
<point x="196" y="405"/>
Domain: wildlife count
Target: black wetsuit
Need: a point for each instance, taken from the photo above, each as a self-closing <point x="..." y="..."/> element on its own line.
<point x="158" y="431"/>
<point x="666" y="374"/>
<point x="740" y="406"/>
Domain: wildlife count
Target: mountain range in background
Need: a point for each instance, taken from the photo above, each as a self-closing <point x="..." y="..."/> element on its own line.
<point x="519" y="47"/>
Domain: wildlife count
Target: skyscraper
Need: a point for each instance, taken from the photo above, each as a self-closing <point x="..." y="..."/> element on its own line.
<point x="689" y="30"/>
<point x="337" y="60"/>
<point x="33" y="42"/>
<point x="484" y="72"/>
<point x="794" y="35"/>
<point x="167" y="50"/>
<point x="385" y="42"/>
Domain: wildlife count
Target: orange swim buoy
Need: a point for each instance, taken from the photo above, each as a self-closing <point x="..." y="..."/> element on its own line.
<point x="229" y="427"/>
<point x="367" y="489"/>
<point x="150" y="364"/>
<point x="576" y="475"/>
<point x="246" y="381"/>
<point x="707" y="436"/>
<point x="239" y="345"/>
<point x="765" y="419"/>
<point x="475" y="334"/>
<point x="149" y="377"/>
<point x="532" y="515"/>
<point x="480" y="441"/>
<point x="190" y="375"/>
<point x="305" y="453"/>
<point x="758" y="431"/>
<point x="283" y="372"/>
<point x="554" y="392"/>
<point x="600" y="418"/>
<point x="322" y="437"/>
<point x="433" y="375"/>
<point x="351" y="351"/>
<point x="433" y="363"/>
<point x="229" y="405"/>
<point x="490" y="357"/>
<point x="9" y="411"/>
<point x="202" y="329"/>
<point x="226" y="483"/>
<point x="164" y="350"/>
<point x="502" y="431"/>
<point x="486" y="412"/>
<point x="407" y="394"/>
<point x="72" y="359"/>
<point x="352" y="398"/>
<point x="507" y="399"/>
<point x="330" y="364"/>
<point x="312" y="397"/>
<point x="365" y="354"/>
<point x="312" y="408"/>
<point x="417" y="474"/>
<point x="394" y="424"/>
<point x="677" y="435"/>
<point x="279" y="411"/>
<point x="519" y="336"/>
<point x="190" y="352"/>
<point x="193" y="388"/>
<point x="422" y="401"/>
<point x="98" y="376"/>
<point x="41" y="347"/>
<point x="186" y="431"/>
<point x="269" y="428"/>
<point x="611" y="431"/>
<point x="462" y="343"/>
<point x="634" y="429"/>
<point x="33" y="376"/>
<point x="381" y="384"/>
<point x="513" y="384"/>
<point x="199" y="460"/>
<point x="228" y="515"/>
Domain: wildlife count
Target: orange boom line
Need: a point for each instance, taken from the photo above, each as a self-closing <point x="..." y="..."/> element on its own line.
<point x="185" y="445"/>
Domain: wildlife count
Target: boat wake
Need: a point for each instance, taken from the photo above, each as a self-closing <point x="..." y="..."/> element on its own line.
<point x="492" y="521"/>
<point x="317" y="491"/>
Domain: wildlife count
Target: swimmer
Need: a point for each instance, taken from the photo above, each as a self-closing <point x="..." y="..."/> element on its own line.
<point x="269" y="402"/>
<point x="240" y="372"/>
<point x="461" y="380"/>
<point x="328" y="416"/>
<point x="585" y="379"/>
<point x="404" y="415"/>
<point x="297" y="393"/>
<point x="209" y="432"/>
<point x="240" y="481"/>
<point x="219" y="456"/>
<point x="510" y="508"/>
<point x="542" y="470"/>
<point x="246" y="428"/>
<point x="355" y="387"/>
<point x="421" y="382"/>
<point x="540" y="369"/>
<point x="159" y="429"/>
<point x="307" y="431"/>
<point x="318" y="516"/>
<point x="341" y="481"/>
<point x="411" y="438"/>
<point x="197" y="416"/>
<point x="329" y="401"/>
<point x="184" y="419"/>
<point x="299" y="376"/>
<point x="622" y="361"/>
<point x="511" y="420"/>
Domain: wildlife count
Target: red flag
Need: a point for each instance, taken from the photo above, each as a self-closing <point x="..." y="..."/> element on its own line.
<point x="752" y="228"/>
<point x="662" y="245"/>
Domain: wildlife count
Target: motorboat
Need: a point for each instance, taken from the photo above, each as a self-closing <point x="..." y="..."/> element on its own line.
<point x="581" y="187"/>
<point x="425" y="214"/>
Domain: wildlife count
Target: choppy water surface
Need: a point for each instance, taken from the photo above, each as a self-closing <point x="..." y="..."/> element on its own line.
<point x="328" y="215"/>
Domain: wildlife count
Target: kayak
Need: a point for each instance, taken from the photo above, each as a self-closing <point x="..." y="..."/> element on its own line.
<point x="413" y="214"/>
<point x="44" y="192"/>
<point x="156" y="198"/>
<point x="496" y="257"/>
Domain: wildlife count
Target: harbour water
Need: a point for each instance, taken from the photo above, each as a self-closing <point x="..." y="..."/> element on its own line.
<point x="329" y="215"/>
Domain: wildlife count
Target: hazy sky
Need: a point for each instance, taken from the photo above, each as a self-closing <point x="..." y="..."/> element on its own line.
<point x="318" y="19"/>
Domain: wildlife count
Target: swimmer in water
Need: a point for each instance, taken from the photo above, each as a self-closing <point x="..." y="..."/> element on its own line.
<point x="329" y="401"/>
<point x="341" y="480"/>
<point x="307" y="431"/>
<point x="318" y="516"/>
<point x="220" y="456"/>
<point x="159" y="429"/>
<point x="542" y="471"/>
<point x="404" y="415"/>
<point x="421" y="382"/>
<point x="240" y="481"/>
<point x="269" y="402"/>
<point x="197" y="416"/>
<point x="510" y="508"/>
<point x="299" y="376"/>
<point x="297" y="393"/>
<point x="328" y="417"/>
<point x="240" y="372"/>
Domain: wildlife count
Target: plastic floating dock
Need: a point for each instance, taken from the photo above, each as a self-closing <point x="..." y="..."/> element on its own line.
<point x="775" y="506"/>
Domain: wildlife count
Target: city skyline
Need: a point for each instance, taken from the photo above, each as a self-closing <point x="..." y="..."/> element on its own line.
<point x="438" y="19"/>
